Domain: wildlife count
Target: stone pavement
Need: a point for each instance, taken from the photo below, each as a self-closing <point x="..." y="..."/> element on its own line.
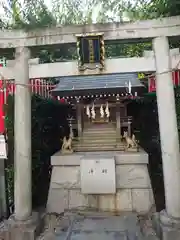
<point x="93" y="227"/>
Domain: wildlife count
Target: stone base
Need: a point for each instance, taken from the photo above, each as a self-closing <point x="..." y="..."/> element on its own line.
<point x="66" y="151"/>
<point x="22" y="230"/>
<point x="170" y="227"/>
<point x="167" y="228"/>
<point x="133" y="186"/>
<point x="131" y="150"/>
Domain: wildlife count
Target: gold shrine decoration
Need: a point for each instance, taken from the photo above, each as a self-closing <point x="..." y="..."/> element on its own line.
<point x="90" y="49"/>
<point x="102" y="51"/>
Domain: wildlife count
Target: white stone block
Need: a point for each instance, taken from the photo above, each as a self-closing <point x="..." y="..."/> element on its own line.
<point x="124" y="200"/>
<point x="66" y="177"/>
<point x="107" y="202"/>
<point x="57" y="200"/>
<point x="142" y="200"/>
<point x="119" y="202"/>
<point x="78" y="200"/>
<point x="66" y="160"/>
<point x="132" y="176"/>
<point x="140" y="157"/>
<point x="150" y="54"/>
<point x="74" y="159"/>
<point x="98" y="175"/>
<point x="174" y="52"/>
<point x="32" y="61"/>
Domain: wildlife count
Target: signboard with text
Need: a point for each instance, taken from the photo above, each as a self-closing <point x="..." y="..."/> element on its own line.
<point x="3" y="150"/>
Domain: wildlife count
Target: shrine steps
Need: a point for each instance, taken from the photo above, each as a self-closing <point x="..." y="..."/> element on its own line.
<point x="99" y="144"/>
<point x="98" y="138"/>
<point x="97" y="148"/>
<point x="93" y="131"/>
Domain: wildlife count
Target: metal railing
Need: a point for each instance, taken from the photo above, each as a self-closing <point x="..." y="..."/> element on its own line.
<point x="38" y="86"/>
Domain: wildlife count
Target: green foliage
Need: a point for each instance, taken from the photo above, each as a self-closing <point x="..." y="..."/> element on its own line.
<point x="49" y="124"/>
<point x="30" y="15"/>
<point x="27" y="15"/>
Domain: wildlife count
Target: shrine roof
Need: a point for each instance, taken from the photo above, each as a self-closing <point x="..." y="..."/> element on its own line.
<point x="104" y="83"/>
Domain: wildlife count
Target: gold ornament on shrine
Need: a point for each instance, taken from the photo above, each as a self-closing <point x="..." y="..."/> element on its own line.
<point x="79" y="53"/>
<point x="102" y="52"/>
<point x="90" y="51"/>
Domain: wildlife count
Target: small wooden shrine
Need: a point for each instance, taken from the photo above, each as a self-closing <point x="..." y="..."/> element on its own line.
<point x="99" y="114"/>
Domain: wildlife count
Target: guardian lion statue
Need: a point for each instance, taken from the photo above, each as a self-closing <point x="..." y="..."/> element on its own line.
<point x="67" y="144"/>
<point x="131" y="143"/>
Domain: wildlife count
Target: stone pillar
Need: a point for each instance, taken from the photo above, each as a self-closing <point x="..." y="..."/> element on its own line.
<point x="79" y="118"/>
<point x="118" y="119"/>
<point x="22" y="136"/>
<point x="168" y="131"/>
<point x="3" y="202"/>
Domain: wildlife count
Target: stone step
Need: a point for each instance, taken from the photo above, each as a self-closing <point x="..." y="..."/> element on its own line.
<point x="99" y="134"/>
<point x="88" y="130"/>
<point x="99" y="129"/>
<point x="96" y="137"/>
<point x="87" y="134"/>
<point x="97" y="148"/>
<point x="94" y="147"/>
<point x="89" y="142"/>
<point x="99" y="140"/>
<point x="94" y="144"/>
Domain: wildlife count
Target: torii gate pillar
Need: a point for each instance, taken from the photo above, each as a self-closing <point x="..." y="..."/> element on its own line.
<point x="169" y="139"/>
<point x="22" y="136"/>
<point x="24" y="224"/>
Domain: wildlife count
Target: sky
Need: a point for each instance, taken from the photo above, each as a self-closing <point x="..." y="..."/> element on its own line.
<point x="48" y="3"/>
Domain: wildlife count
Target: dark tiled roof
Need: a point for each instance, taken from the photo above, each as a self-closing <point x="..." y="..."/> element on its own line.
<point x="95" y="82"/>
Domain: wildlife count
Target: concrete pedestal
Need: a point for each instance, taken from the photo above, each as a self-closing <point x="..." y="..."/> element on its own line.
<point x="133" y="187"/>
<point x="166" y="227"/>
<point x="22" y="230"/>
<point x="170" y="227"/>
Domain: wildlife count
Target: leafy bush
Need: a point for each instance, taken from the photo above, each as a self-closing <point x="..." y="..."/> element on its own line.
<point x="49" y="124"/>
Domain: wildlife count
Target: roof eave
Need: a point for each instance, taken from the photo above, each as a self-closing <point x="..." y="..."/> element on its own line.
<point x="96" y="91"/>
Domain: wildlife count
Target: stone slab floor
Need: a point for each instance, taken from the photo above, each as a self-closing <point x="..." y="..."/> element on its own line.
<point x="99" y="227"/>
